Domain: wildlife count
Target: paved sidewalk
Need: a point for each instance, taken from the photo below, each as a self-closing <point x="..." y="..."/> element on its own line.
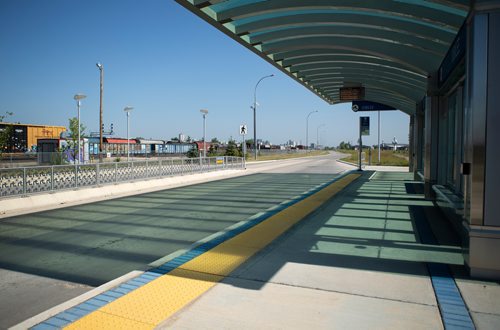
<point x="359" y="262"/>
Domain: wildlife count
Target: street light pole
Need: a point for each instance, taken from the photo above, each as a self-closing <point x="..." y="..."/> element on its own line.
<point x="317" y="134"/>
<point x="204" y="112"/>
<point x="255" y="114"/>
<point x="379" y="137"/>
<point x="101" y="77"/>
<point x="307" y="128"/>
<point x="78" y="97"/>
<point x="127" y="110"/>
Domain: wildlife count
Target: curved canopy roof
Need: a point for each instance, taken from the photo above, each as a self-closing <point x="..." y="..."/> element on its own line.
<point x="387" y="47"/>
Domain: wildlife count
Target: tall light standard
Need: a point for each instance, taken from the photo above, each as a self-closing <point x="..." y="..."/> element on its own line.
<point x="307" y="128"/>
<point x="254" y="114"/>
<point x="378" y="131"/>
<point x="78" y="97"/>
<point x="317" y="134"/>
<point x="101" y="76"/>
<point x="204" y="112"/>
<point x="127" y="110"/>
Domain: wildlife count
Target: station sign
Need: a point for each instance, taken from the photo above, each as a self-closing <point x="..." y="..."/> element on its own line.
<point x="364" y="125"/>
<point x="352" y="93"/>
<point x="369" y="106"/>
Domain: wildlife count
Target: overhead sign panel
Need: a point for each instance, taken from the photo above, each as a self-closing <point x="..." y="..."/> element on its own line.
<point x="352" y="93"/>
<point x="369" y="106"/>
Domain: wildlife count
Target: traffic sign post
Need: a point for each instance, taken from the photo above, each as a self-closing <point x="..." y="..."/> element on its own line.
<point x="361" y="105"/>
<point x="243" y="132"/>
<point x="364" y="129"/>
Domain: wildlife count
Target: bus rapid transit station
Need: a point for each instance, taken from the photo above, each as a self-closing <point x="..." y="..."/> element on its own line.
<point x="435" y="60"/>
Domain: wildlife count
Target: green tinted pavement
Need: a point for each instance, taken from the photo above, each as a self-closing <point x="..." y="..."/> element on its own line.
<point x="95" y="243"/>
<point x="377" y="219"/>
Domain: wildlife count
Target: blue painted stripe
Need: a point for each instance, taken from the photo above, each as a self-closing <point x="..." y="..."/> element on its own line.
<point x="142" y="281"/>
<point x="57" y="322"/>
<point x="77" y="311"/>
<point x="120" y="290"/>
<point x="129" y="287"/>
<point x="44" y="326"/>
<point x="114" y="293"/>
<point x="96" y="302"/>
<point x="105" y="298"/>
<point x="69" y="317"/>
<point x="454" y="312"/>
<point x="135" y="282"/>
<point x="87" y="307"/>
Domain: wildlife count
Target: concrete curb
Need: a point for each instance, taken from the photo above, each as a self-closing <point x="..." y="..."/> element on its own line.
<point x="380" y="168"/>
<point x="347" y="163"/>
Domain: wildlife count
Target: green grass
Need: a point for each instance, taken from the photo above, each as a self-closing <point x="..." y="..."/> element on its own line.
<point x="279" y="156"/>
<point x="387" y="157"/>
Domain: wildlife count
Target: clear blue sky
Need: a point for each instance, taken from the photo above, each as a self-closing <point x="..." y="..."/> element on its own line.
<point x="166" y="63"/>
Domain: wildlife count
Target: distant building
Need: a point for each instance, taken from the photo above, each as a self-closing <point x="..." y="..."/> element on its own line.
<point x="24" y="136"/>
<point x="394" y="146"/>
<point x="199" y="144"/>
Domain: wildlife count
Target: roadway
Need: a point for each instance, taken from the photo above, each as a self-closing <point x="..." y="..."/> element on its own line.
<point x="52" y="256"/>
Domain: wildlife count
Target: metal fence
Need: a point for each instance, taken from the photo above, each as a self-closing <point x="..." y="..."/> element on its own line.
<point x="28" y="159"/>
<point x="37" y="179"/>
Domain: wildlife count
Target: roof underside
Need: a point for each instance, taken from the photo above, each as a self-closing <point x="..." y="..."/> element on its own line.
<point x="387" y="47"/>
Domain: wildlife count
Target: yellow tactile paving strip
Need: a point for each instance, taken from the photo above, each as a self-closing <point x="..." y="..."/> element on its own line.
<point x="156" y="301"/>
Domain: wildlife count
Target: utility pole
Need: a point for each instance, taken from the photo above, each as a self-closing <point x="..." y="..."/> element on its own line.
<point x="101" y="75"/>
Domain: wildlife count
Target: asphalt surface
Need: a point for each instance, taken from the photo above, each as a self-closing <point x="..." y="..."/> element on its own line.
<point x="49" y="257"/>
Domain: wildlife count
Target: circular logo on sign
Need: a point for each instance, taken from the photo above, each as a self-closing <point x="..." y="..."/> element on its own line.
<point x="355" y="107"/>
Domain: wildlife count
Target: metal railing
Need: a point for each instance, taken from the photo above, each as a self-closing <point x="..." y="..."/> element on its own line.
<point x="28" y="159"/>
<point x="37" y="179"/>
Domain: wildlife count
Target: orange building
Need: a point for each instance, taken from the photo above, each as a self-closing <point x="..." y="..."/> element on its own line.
<point x="24" y="136"/>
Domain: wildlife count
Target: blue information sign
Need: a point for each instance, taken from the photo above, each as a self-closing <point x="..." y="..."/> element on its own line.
<point x="369" y="106"/>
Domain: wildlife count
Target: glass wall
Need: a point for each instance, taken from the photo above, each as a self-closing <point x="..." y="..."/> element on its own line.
<point x="451" y="136"/>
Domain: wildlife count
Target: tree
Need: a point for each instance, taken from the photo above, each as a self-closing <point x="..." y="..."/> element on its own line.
<point x="73" y="131"/>
<point x="7" y="114"/>
<point x="345" y="145"/>
<point x="175" y="139"/>
<point x="192" y="153"/>
<point x="212" y="151"/>
<point x="232" y="149"/>
<point x="6" y="134"/>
